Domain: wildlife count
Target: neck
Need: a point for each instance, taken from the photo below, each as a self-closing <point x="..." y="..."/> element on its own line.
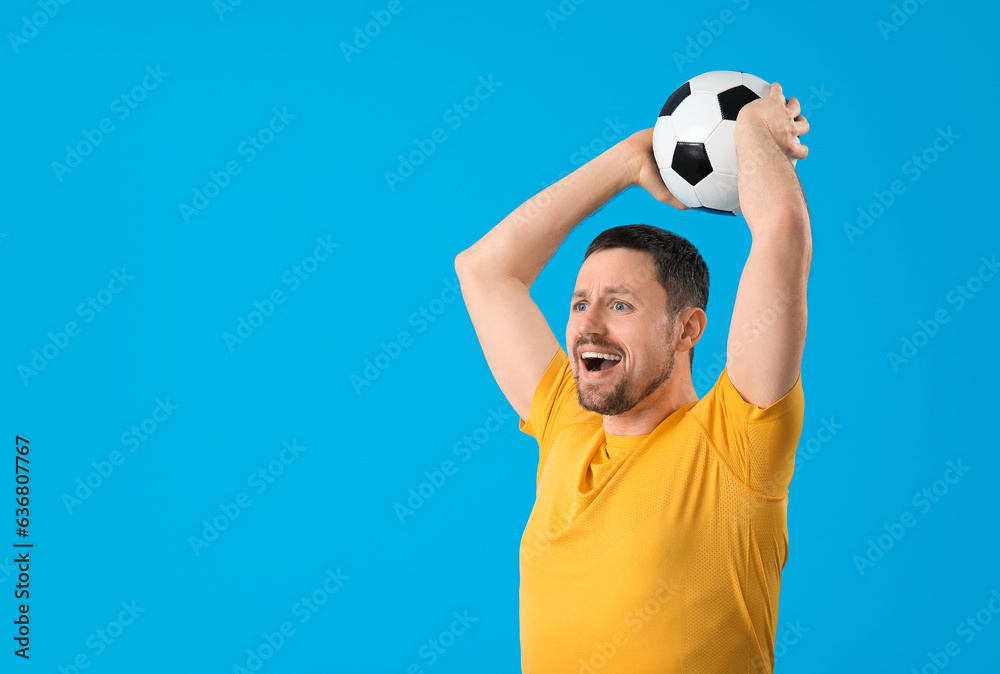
<point x="651" y="411"/>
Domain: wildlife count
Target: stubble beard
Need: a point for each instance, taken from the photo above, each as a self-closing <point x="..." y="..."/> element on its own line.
<point x="624" y="396"/>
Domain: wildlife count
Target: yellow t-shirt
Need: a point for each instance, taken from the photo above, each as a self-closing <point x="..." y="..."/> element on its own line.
<point x="656" y="553"/>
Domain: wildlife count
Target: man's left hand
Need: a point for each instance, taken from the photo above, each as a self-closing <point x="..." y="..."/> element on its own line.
<point x="778" y="118"/>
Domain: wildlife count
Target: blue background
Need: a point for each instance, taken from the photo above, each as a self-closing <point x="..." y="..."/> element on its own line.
<point x="560" y="78"/>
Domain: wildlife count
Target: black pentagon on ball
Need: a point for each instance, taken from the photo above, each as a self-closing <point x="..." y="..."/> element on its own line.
<point x="691" y="162"/>
<point x="675" y="99"/>
<point x="712" y="210"/>
<point x="732" y="101"/>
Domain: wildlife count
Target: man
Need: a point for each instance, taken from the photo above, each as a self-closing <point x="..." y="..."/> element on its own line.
<point x="658" y="533"/>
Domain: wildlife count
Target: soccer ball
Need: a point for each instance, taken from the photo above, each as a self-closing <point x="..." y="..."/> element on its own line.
<point x="693" y="139"/>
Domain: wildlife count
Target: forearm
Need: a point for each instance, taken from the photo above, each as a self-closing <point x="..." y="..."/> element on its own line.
<point x="771" y="196"/>
<point x="522" y="243"/>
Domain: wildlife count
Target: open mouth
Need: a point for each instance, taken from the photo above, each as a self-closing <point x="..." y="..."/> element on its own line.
<point x="596" y="361"/>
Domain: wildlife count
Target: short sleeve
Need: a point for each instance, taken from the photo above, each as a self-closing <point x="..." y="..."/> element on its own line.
<point x="553" y="403"/>
<point x="757" y="444"/>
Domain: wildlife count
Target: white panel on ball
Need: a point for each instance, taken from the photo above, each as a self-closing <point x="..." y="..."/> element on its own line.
<point x="696" y="117"/>
<point x="664" y="141"/>
<point x="679" y="187"/>
<point x="721" y="148"/>
<point x="716" y="81"/>
<point x="718" y="191"/>
<point x="756" y="85"/>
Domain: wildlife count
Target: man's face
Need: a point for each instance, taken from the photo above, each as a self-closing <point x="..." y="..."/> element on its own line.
<point x="619" y="308"/>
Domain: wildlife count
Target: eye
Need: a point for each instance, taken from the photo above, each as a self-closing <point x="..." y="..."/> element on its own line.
<point x="575" y="305"/>
<point x="617" y="302"/>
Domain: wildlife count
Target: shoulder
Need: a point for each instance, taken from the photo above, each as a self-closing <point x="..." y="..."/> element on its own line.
<point x="724" y="398"/>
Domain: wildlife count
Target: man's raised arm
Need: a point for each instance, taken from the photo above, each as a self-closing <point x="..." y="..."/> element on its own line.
<point x="498" y="270"/>
<point x="768" y="330"/>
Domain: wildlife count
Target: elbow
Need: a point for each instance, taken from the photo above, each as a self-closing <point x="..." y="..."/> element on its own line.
<point x="791" y="227"/>
<point x="462" y="263"/>
<point x="794" y="219"/>
<point x="474" y="263"/>
<point x="788" y="216"/>
<point x="471" y="261"/>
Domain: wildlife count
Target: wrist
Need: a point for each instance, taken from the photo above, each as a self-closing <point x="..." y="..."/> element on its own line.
<point x="748" y="122"/>
<point x="752" y="132"/>
<point x="630" y="159"/>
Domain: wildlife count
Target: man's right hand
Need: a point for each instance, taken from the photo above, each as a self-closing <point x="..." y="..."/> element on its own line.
<point x="643" y="169"/>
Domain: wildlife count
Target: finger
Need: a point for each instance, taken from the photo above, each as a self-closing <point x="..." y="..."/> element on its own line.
<point x="775" y="90"/>
<point x="793" y="106"/>
<point x="667" y="197"/>
<point x="800" y="126"/>
<point x="800" y="151"/>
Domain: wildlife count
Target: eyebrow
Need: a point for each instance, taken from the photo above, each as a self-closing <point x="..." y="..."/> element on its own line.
<point x="610" y="290"/>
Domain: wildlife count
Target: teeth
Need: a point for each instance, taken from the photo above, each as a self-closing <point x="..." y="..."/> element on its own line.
<point x="594" y="354"/>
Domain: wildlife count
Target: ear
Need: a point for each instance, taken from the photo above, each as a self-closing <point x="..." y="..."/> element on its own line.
<point x="691" y="324"/>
